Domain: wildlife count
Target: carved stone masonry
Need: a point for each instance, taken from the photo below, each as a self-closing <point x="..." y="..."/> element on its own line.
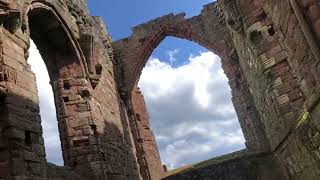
<point x="268" y="50"/>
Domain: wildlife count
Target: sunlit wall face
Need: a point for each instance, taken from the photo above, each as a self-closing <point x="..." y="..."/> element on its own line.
<point x="189" y="103"/>
<point x="47" y="107"/>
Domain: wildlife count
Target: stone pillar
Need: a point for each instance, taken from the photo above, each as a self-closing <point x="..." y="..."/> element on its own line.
<point x="79" y="123"/>
<point x="22" y="153"/>
<point x="249" y="119"/>
<point x="245" y="107"/>
<point x="147" y="150"/>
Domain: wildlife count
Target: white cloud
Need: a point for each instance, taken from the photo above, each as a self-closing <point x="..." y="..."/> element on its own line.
<point x="172" y="55"/>
<point x="47" y="107"/>
<point x="190" y="109"/>
<point x="196" y="73"/>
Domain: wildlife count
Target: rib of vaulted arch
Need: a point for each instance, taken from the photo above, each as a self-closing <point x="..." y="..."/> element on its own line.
<point x="146" y="37"/>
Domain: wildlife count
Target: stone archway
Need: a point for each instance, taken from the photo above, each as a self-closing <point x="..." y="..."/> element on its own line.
<point x="134" y="51"/>
<point x="55" y="40"/>
<point x="68" y="75"/>
<point x="269" y="52"/>
<point x="76" y="51"/>
<point x="131" y="56"/>
<point x="70" y="81"/>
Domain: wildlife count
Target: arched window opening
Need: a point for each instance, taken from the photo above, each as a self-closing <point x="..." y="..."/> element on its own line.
<point x="47" y="107"/>
<point x="189" y="104"/>
<point x="64" y="63"/>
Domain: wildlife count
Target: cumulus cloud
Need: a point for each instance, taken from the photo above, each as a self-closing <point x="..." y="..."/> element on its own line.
<point x="172" y="55"/>
<point x="47" y="107"/>
<point x="190" y="109"/>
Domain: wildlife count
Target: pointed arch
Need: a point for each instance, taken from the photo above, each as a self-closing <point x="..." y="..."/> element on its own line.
<point x="39" y="9"/>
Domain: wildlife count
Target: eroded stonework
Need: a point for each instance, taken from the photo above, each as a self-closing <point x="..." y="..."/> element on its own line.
<point x="269" y="51"/>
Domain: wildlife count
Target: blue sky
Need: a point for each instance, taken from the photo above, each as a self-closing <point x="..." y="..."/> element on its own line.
<point x="121" y="15"/>
<point x="186" y="92"/>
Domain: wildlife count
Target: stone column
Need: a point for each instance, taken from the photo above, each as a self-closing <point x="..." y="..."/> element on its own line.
<point x="147" y="151"/>
<point x="22" y="153"/>
<point x="78" y="122"/>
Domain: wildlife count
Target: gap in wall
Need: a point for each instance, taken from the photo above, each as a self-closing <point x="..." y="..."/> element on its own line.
<point x="47" y="107"/>
<point x="189" y="103"/>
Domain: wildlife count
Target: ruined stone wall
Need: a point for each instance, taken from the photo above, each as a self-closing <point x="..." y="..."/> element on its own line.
<point x="22" y="145"/>
<point x="208" y="30"/>
<point x="272" y="83"/>
<point x="300" y="150"/>
<point x="76" y="48"/>
<point x="270" y="54"/>
<point x="148" y="153"/>
<point x="269" y="51"/>
<point x="279" y="67"/>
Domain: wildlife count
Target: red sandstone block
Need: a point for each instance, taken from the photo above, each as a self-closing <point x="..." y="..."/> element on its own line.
<point x="316" y="27"/>
<point x="307" y="3"/>
<point x="295" y="94"/>
<point x="274" y="50"/>
<point x="314" y="12"/>
<point x="280" y="69"/>
<point x="291" y="24"/>
<point x="300" y="53"/>
<point x="297" y="102"/>
<point x="267" y="46"/>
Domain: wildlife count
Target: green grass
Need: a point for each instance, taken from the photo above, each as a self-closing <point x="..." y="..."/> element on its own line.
<point x="210" y="162"/>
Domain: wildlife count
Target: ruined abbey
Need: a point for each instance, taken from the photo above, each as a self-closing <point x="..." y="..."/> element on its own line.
<point x="270" y="52"/>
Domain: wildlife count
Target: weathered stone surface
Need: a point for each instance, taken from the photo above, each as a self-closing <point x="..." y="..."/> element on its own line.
<point x="147" y="152"/>
<point x="269" y="51"/>
<point x="62" y="173"/>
